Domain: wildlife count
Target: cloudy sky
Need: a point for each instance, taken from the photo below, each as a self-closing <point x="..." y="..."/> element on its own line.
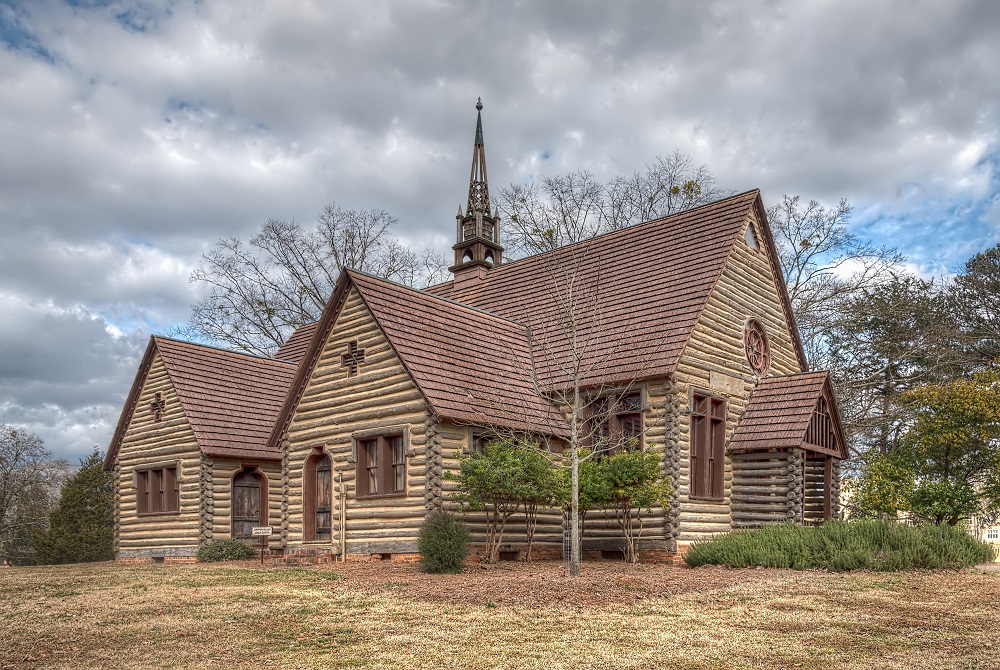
<point x="135" y="134"/>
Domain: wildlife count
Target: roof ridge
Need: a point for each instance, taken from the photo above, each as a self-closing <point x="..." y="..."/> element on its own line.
<point x="633" y="227"/>
<point x="434" y="296"/>
<point x="212" y="347"/>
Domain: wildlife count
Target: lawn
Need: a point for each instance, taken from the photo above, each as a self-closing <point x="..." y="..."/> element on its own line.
<point x="388" y="615"/>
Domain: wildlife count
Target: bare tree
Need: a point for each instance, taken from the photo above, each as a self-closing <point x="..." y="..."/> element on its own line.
<point x="261" y="291"/>
<point x="29" y="486"/>
<point x="824" y="265"/>
<point x="575" y="350"/>
<point x="552" y="212"/>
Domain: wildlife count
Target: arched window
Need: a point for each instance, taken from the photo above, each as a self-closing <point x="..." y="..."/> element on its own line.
<point x="247" y="499"/>
<point x="318" y="497"/>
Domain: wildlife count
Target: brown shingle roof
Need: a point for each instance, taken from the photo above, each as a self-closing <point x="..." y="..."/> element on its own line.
<point x="231" y="400"/>
<point x="296" y="346"/>
<point x="778" y="413"/>
<point x="471" y="366"/>
<point x="641" y="291"/>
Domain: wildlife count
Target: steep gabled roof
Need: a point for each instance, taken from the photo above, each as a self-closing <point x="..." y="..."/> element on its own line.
<point x="470" y="366"/>
<point x="780" y="410"/>
<point x="296" y="346"/>
<point x="231" y="400"/>
<point x="639" y="292"/>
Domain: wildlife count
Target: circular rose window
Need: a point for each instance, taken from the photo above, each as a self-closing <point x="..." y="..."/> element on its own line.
<point x="758" y="350"/>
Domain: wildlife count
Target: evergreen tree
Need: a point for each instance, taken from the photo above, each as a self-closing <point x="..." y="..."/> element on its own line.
<point x="81" y="527"/>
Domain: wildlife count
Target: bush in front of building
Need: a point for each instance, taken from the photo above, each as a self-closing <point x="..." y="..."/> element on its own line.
<point x="444" y="544"/>
<point x="842" y="546"/>
<point x="226" y="550"/>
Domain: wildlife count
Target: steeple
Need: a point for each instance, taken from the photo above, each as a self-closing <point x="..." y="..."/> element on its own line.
<point x="477" y="248"/>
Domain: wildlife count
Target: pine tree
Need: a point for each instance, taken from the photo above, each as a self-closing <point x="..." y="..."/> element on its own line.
<point x="81" y="527"/>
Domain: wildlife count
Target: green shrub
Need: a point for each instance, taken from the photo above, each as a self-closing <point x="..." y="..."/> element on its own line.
<point x="840" y="546"/>
<point x="226" y="550"/>
<point x="444" y="543"/>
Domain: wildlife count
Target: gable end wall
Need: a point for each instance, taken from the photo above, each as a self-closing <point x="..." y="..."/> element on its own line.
<point x="147" y="442"/>
<point x="746" y="289"/>
<point x="332" y="410"/>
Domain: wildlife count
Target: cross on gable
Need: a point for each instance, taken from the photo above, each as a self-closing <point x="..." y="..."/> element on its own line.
<point x="157" y="406"/>
<point x="353" y="358"/>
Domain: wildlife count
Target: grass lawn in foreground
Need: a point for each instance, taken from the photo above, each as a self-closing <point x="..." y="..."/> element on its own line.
<point x="387" y="615"/>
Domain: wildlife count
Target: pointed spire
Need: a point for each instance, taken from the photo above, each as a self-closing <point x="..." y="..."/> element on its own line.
<point x="479" y="121"/>
<point x="479" y="190"/>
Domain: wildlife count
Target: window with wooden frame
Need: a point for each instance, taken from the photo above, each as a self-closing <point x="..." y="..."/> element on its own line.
<point x="381" y="466"/>
<point x="249" y="503"/>
<point x="478" y="441"/>
<point x="708" y="440"/>
<point x="157" y="491"/>
<point x="615" y="422"/>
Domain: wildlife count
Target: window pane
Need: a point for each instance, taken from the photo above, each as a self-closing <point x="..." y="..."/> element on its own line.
<point x="371" y="452"/>
<point x="171" y="493"/>
<point x="398" y="464"/>
<point x="142" y="492"/>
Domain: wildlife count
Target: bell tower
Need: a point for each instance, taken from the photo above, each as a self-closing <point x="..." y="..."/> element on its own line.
<point x="477" y="247"/>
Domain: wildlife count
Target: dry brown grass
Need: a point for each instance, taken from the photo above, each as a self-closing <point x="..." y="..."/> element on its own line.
<point x="509" y="616"/>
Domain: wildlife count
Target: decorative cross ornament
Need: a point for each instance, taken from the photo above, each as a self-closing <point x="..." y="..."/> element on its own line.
<point x="157" y="406"/>
<point x="353" y="358"/>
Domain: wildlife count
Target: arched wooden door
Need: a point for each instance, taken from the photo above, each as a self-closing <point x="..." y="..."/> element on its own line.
<point x="324" y="499"/>
<point x="246" y="503"/>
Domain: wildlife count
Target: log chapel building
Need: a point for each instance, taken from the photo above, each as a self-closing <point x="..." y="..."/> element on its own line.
<point x="680" y="331"/>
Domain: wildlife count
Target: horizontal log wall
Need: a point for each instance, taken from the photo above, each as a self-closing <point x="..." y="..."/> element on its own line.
<point x="335" y="407"/>
<point x="764" y="488"/>
<point x="217" y="511"/>
<point x="148" y="442"/>
<point x="454" y="440"/>
<point x="835" y="487"/>
<point x="601" y="529"/>
<point x="715" y="361"/>
<point x="813" y="489"/>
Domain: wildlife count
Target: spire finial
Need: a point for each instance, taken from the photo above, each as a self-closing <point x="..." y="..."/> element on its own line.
<point x="479" y="104"/>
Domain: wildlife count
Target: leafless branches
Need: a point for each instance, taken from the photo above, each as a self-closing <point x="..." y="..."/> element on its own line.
<point x="29" y="486"/>
<point x="552" y="212"/>
<point x="262" y="290"/>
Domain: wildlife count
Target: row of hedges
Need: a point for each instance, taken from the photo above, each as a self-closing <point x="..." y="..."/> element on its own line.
<point x="837" y="546"/>
<point x="840" y="546"/>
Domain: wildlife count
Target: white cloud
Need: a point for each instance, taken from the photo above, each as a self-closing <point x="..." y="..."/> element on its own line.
<point x="137" y="133"/>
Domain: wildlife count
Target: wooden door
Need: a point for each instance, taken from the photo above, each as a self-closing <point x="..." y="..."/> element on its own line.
<point x="324" y="499"/>
<point x="246" y="503"/>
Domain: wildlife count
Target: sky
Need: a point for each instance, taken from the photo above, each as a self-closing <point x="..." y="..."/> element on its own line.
<point x="135" y="135"/>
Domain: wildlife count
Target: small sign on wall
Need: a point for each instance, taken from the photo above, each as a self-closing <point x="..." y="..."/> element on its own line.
<point x="720" y="382"/>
